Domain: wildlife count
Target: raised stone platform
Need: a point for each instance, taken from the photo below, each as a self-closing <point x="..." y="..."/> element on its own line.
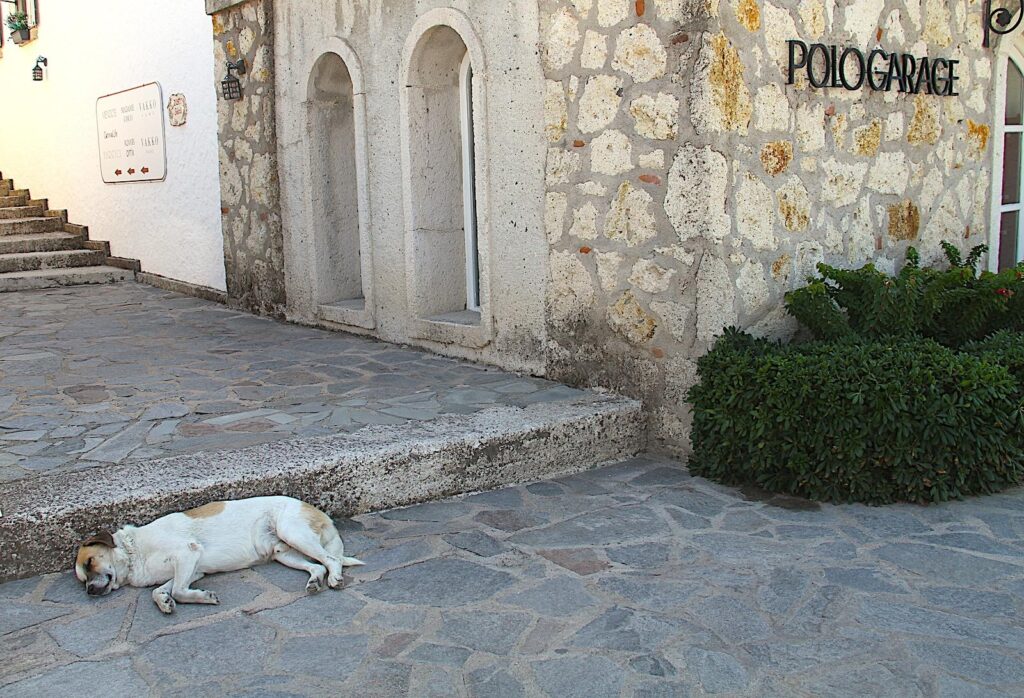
<point x="369" y="470"/>
<point x="121" y="403"/>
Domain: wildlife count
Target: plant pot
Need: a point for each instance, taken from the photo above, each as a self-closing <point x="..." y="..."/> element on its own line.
<point x="21" y="36"/>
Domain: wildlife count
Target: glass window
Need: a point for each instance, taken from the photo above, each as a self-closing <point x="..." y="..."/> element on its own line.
<point x="1014" y="94"/>
<point x="1011" y="168"/>
<point x="1008" y="234"/>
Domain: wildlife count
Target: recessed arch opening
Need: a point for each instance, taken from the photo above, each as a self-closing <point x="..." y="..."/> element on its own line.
<point x="443" y="186"/>
<point x="335" y="179"/>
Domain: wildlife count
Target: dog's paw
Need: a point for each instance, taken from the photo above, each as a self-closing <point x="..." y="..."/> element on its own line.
<point x="164" y="602"/>
<point x="315" y="585"/>
<point x="335" y="582"/>
<point x="210" y="598"/>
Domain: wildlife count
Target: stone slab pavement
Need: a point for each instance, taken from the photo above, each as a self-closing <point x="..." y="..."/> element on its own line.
<point x="93" y="375"/>
<point x="632" y="580"/>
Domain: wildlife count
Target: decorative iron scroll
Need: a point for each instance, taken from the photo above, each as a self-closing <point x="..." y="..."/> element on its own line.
<point x="1000" y="20"/>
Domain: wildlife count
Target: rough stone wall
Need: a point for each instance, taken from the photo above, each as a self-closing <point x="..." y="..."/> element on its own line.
<point x="250" y="189"/>
<point x="688" y="188"/>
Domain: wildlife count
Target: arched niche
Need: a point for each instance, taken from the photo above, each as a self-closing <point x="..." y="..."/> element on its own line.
<point x="336" y="182"/>
<point x="443" y="130"/>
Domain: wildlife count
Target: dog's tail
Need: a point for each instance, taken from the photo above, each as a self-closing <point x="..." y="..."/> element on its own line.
<point x="333" y="544"/>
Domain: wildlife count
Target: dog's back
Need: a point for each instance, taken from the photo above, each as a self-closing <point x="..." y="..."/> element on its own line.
<point x="235" y="534"/>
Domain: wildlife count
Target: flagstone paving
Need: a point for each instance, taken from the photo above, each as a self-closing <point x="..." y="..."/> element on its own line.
<point x="105" y="374"/>
<point x="633" y="580"/>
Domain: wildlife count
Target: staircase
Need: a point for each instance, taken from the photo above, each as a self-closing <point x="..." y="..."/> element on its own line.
<point x="40" y="249"/>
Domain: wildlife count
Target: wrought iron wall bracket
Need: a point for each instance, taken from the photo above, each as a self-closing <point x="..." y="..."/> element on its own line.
<point x="1000" y="20"/>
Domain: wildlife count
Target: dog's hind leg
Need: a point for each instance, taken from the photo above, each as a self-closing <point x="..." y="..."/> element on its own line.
<point x="298" y="561"/>
<point x="298" y="534"/>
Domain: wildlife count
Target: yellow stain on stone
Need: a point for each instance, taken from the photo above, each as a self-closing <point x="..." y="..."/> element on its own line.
<point x="867" y="139"/>
<point x="794" y="216"/>
<point x="904" y="221"/>
<point x="748" y="14"/>
<point x="978" y="135"/>
<point x="776" y="156"/>
<point x="631" y="321"/>
<point x="839" y="123"/>
<point x="230" y="49"/>
<point x="729" y="91"/>
<point x="925" y="126"/>
<point x="218" y="26"/>
<point x="780" y="267"/>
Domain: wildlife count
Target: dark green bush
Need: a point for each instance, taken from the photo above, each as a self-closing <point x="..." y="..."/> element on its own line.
<point x="1005" y="348"/>
<point x="952" y="306"/>
<point x="854" y="420"/>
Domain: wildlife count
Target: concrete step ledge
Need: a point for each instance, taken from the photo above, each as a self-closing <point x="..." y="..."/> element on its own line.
<point x="26" y="226"/>
<point x="40" y="242"/>
<point x="26" y="211"/>
<point x="60" y="259"/>
<point x="51" y="278"/>
<point x="372" y="469"/>
<point x="8" y="201"/>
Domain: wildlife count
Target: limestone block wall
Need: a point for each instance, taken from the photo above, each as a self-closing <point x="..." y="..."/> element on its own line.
<point x="404" y="86"/>
<point x="688" y="187"/>
<point x="249" y="183"/>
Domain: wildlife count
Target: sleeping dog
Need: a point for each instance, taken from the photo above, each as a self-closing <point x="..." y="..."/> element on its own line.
<point x="178" y="549"/>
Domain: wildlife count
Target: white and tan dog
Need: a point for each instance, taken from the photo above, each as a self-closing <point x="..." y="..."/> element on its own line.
<point x="178" y="549"/>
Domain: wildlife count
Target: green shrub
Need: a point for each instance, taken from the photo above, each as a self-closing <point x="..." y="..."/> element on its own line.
<point x="17" y="21"/>
<point x="1005" y="348"/>
<point x="951" y="306"/>
<point x="853" y="420"/>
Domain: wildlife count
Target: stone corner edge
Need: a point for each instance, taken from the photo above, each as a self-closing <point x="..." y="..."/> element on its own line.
<point x="215" y="6"/>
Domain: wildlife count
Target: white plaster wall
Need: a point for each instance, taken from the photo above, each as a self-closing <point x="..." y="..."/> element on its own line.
<point x="48" y="130"/>
<point x="377" y="31"/>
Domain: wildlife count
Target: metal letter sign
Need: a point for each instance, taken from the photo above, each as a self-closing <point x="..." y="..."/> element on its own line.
<point x="130" y="126"/>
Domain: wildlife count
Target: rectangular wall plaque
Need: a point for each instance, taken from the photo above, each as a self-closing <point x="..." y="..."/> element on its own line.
<point x="130" y="128"/>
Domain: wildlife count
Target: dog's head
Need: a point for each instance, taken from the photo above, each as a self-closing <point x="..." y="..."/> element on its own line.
<point x="95" y="564"/>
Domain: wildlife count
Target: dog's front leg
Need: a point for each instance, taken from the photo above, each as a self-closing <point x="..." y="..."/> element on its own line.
<point x="162" y="597"/>
<point x="185" y="572"/>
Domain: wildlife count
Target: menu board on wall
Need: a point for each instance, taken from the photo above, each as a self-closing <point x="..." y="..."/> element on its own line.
<point x="130" y="127"/>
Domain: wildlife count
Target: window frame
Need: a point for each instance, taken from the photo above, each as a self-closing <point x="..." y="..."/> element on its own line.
<point x="469" y="185"/>
<point x="24" y="5"/>
<point x="1008" y="51"/>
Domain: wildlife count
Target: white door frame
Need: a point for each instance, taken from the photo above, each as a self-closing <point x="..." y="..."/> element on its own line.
<point x="469" y="185"/>
<point x="1008" y="51"/>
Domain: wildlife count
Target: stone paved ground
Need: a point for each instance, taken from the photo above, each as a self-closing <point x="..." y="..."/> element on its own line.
<point x="102" y="374"/>
<point x="634" y="580"/>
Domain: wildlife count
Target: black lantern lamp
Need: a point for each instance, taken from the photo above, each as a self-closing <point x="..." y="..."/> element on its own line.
<point x="230" y="86"/>
<point x="37" y="72"/>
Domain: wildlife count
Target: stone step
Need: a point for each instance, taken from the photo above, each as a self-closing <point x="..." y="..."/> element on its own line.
<point x="20" y="200"/>
<point x="60" y="259"/>
<point x="40" y="242"/>
<point x="368" y="470"/>
<point x="21" y="211"/>
<point x="50" y="278"/>
<point x="7" y="191"/>
<point x="26" y="226"/>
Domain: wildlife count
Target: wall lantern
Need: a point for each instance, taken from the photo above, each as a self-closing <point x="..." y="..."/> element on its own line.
<point x="37" y="72"/>
<point x="999" y="21"/>
<point x="230" y="86"/>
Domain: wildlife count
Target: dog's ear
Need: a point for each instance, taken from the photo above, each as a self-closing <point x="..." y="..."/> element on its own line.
<point x="101" y="538"/>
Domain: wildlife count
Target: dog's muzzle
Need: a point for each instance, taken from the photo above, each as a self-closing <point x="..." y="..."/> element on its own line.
<point x="98" y="587"/>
